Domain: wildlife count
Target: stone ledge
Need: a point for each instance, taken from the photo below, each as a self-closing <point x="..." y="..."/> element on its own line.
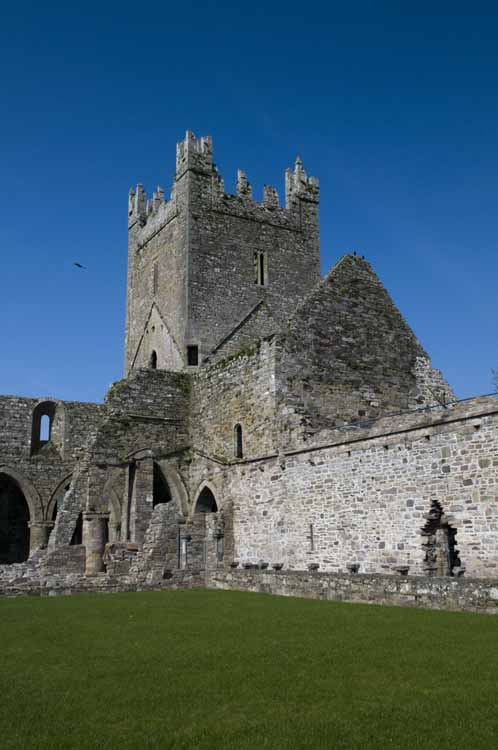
<point x="455" y="594"/>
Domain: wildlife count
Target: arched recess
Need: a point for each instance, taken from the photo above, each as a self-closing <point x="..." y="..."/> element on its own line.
<point x="29" y="491"/>
<point x="206" y="500"/>
<point x="14" y="521"/>
<point x="112" y="502"/>
<point x="175" y="485"/>
<point x="44" y="411"/>
<point x="161" y="492"/>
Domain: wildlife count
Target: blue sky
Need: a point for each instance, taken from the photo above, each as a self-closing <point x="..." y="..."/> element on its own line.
<point x="394" y="107"/>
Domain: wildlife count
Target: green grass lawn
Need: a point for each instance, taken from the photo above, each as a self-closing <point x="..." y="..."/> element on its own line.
<point x="209" y="669"/>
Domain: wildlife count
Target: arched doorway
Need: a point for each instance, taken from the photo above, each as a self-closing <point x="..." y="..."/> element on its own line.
<point x="209" y="526"/>
<point x="14" y="519"/>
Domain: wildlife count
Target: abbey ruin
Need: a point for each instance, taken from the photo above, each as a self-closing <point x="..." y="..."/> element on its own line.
<point x="275" y="430"/>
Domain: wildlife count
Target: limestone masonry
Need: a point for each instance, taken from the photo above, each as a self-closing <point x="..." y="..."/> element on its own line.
<point x="274" y="431"/>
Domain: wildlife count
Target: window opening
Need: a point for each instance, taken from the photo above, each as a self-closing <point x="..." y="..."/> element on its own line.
<point x="238" y="447"/>
<point x="260" y="268"/>
<point x="45" y="428"/>
<point x="43" y="417"/>
<point x="153" y="360"/>
<point x="155" y="278"/>
<point x="192" y="356"/>
<point x="311" y="538"/>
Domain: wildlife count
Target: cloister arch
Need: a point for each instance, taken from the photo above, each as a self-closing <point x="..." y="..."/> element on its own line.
<point x="14" y="521"/>
<point x="29" y="491"/>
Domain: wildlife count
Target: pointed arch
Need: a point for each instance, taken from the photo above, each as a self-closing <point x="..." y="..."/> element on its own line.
<point x="205" y="501"/>
<point x="176" y="486"/>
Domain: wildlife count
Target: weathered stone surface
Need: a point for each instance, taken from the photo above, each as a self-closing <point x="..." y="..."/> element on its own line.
<point x="308" y="448"/>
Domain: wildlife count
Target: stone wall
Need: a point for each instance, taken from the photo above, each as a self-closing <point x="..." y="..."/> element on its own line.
<point x="349" y="354"/>
<point x="146" y="417"/>
<point x="364" y="497"/>
<point x="43" y="471"/>
<point x="238" y="390"/>
<point x="471" y="595"/>
<point x="157" y="268"/>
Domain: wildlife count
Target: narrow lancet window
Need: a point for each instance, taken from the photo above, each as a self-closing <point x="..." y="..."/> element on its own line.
<point x="45" y="428"/>
<point x="153" y="360"/>
<point x="260" y="268"/>
<point x="238" y="446"/>
<point x="155" y="278"/>
<point x="41" y="431"/>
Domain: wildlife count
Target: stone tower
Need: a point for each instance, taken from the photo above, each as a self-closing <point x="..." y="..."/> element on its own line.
<point x="210" y="272"/>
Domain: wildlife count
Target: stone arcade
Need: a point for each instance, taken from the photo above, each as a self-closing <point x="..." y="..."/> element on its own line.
<point x="275" y="430"/>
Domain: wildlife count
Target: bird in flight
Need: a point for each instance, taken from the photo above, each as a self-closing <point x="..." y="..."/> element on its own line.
<point x="78" y="265"/>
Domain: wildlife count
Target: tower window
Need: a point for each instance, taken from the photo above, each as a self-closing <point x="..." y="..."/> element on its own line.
<point x="43" y="418"/>
<point x="45" y="428"/>
<point x="237" y="435"/>
<point x="155" y="277"/>
<point x="260" y="268"/>
<point x="192" y="356"/>
<point x="153" y="360"/>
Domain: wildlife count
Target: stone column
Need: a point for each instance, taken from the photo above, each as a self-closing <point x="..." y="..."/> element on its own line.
<point x="94" y="540"/>
<point x="39" y="532"/>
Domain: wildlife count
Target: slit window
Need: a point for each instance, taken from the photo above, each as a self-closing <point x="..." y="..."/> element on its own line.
<point x="153" y="360"/>
<point x="238" y="447"/>
<point x="155" y="278"/>
<point x="260" y="268"/>
<point x="192" y="356"/>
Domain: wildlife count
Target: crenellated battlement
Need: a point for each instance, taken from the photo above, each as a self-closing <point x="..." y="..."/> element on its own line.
<point x="140" y="207"/>
<point x="298" y="186"/>
<point x="196" y="155"/>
